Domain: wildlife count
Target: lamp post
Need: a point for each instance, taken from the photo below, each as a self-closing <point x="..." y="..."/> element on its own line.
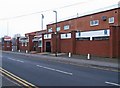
<point x="56" y="32"/>
<point x="42" y="21"/>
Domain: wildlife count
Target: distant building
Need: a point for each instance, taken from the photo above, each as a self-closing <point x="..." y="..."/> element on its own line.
<point x="31" y="42"/>
<point x="7" y="43"/>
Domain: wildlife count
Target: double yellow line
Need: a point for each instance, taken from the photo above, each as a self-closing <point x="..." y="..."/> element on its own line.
<point x="17" y="79"/>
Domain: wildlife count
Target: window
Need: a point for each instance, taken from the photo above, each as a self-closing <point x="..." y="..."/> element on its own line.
<point x="58" y="28"/>
<point x="111" y="20"/>
<point x="50" y="30"/>
<point x="66" y="27"/>
<point x="94" y="23"/>
<point x="40" y="44"/>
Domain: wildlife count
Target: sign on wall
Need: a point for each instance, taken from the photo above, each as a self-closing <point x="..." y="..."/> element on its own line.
<point x="66" y="36"/>
<point x="90" y="34"/>
<point x="47" y="36"/>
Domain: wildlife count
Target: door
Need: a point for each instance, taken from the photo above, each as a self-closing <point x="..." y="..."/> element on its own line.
<point x="48" y="47"/>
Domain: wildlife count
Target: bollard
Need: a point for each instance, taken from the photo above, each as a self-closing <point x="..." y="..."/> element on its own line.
<point x="69" y="54"/>
<point x="12" y="50"/>
<point x="88" y="57"/>
<point x="18" y="50"/>
<point x="26" y="51"/>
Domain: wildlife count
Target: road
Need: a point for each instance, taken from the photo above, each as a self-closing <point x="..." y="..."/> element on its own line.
<point x="42" y="72"/>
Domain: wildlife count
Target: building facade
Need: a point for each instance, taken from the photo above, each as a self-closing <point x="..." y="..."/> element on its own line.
<point x="7" y="43"/>
<point x="30" y="42"/>
<point x="97" y="34"/>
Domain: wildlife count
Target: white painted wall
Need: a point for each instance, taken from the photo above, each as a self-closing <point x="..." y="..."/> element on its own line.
<point x="98" y="33"/>
<point x="47" y="36"/>
<point x="63" y="36"/>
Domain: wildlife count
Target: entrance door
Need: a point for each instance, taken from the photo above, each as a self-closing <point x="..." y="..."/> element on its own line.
<point x="48" y="47"/>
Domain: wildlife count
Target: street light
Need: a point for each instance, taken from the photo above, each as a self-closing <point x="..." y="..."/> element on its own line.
<point x="42" y="21"/>
<point x="56" y="32"/>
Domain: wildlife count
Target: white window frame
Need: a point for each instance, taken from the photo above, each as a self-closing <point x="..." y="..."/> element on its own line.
<point x="94" y="22"/>
<point x="111" y="20"/>
<point x="66" y="27"/>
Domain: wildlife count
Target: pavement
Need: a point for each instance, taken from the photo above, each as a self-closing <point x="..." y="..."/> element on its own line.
<point x="77" y="59"/>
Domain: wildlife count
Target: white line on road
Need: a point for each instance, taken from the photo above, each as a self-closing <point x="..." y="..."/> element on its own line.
<point x="20" y="61"/>
<point x="68" y="73"/>
<point x="16" y="60"/>
<point x="11" y="59"/>
<point x="115" y="84"/>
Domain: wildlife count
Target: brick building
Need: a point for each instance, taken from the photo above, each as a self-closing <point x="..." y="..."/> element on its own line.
<point x="97" y="34"/>
<point x="31" y="42"/>
<point x="7" y="43"/>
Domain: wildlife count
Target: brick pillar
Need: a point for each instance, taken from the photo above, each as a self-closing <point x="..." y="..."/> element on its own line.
<point x="114" y="41"/>
<point x="30" y="43"/>
<point x="10" y="48"/>
<point x="43" y="43"/>
<point x="53" y="43"/>
<point x="59" y="43"/>
<point x="73" y="41"/>
<point x="17" y="43"/>
<point x="5" y="45"/>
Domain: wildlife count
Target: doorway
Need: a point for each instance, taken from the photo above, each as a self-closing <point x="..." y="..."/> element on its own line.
<point x="48" y="47"/>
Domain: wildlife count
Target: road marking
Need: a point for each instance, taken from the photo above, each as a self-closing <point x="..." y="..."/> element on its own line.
<point x="115" y="84"/>
<point x="18" y="79"/>
<point x="11" y="80"/>
<point x="52" y="69"/>
<point x="16" y="60"/>
<point x="11" y="59"/>
<point x="20" y="61"/>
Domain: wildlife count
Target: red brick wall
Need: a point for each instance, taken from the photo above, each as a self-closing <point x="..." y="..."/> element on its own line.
<point x="119" y="44"/>
<point x="114" y="41"/>
<point x="66" y="45"/>
<point x="96" y="48"/>
<point x="22" y="48"/>
<point x="7" y="47"/>
<point x="83" y="23"/>
<point x="30" y="44"/>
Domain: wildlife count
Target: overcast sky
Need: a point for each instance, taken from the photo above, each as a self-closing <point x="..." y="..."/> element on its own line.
<point x="13" y="19"/>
